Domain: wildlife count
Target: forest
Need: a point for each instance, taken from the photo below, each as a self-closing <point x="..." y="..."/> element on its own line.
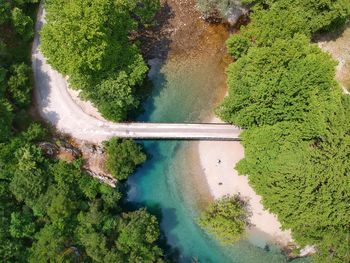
<point x="282" y="90"/>
<point x="51" y="210"/>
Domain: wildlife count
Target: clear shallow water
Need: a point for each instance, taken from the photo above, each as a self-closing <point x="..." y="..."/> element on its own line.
<point x="185" y="90"/>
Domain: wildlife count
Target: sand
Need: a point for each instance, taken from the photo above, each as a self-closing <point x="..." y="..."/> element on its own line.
<point x="223" y="179"/>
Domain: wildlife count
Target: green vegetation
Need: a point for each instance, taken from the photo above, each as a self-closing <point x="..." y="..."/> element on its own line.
<point x="297" y="137"/>
<point x="123" y="156"/>
<point x="91" y="43"/>
<point x="226" y="219"/>
<point x="238" y="45"/>
<point x="283" y="82"/>
<point x="51" y="210"/>
<point x="273" y="19"/>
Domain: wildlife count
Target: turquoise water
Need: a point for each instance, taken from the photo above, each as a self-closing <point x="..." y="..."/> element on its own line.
<point x="182" y="91"/>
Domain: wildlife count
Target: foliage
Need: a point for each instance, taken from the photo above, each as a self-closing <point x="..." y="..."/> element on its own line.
<point x="4" y="11"/>
<point x="139" y="232"/>
<point x="22" y="23"/>
<point x="90" y="43"/>
<point x="282" y="90"/>
<point x="273" y="19"/>
<point x="238" y="45"/>
<point x="5" y="120"/>
<point x="123" y="156"/>
<point x="116" y="97"/>
<point x="304" y="178"/>
<point x="50" y="210"/>
<point x="19" y="84"/>
<point x="278" y="83"/>
<point x="226" y="219"/>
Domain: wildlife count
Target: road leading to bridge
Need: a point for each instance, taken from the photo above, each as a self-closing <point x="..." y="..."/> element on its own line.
<point x="58" y="108"/>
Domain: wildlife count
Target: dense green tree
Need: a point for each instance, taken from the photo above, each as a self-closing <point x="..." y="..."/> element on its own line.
<point x="29" y="180"/>
<point x="5" y="11"/>
<point x="138" y="232"/>
<point x="116" y="97"/>
<point x="226" y="219"/>
<point x="19" y="84"/>
<point x="23" y="24"/>
<point x="23" y="224"/>
<point x="303" y="178"/>
<point x="238" y="45"/>
<point x="123" y="156"/>
<point x="49" y="247"/>
<point x="6" y="118"/>
<point x="11" y="249"/>
<point x="278" y="83"/>
<point x="297" y="138"/>
<point x="274" y="19"/>
<point x="90" y="43"/>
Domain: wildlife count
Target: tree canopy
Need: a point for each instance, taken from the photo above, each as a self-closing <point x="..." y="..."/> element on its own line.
<point x="226" y="219"/>
<point x="123" y="156"/>
<point x="282" y="90"/>
<point x="90" y="42"/>
<point x="278" y="83"/>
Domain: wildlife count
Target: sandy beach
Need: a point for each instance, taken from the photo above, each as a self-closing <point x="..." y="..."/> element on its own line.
<point x="218" y="160"/>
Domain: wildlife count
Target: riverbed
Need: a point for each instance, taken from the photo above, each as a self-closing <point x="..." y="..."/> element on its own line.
<point x="188" y="74"/>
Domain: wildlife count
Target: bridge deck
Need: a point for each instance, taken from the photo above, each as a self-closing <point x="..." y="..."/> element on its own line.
<point x="203" y="131"/>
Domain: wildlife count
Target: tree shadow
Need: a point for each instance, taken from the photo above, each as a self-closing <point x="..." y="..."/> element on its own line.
<point x="155" y="40"/>
<point x="159" y="82"/>
<point x="43" y="90"/>
<point x="334" y="34"/>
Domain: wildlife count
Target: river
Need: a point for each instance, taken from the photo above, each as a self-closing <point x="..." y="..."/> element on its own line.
<point x="189" y="80"/>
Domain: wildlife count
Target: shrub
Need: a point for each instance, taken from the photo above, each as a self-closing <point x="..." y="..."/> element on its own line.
<point x="226" y="219"/>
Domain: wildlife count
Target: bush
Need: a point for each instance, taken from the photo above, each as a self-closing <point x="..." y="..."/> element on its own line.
<point x="238" y="45"/>
<point x="123" y="156"/>
<point x="283" y="82"/>
<point x="226" y="219"/>
<point x="5" y="11"/>
<point x="6" y="118"/>
<point x="23" y="24"/>
<point x="19" y="84"/>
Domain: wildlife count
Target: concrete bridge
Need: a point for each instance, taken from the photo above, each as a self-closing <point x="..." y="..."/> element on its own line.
<point x="182" y="131"/>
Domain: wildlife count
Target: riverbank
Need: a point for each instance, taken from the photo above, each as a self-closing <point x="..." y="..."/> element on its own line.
<point x="217" y="160"/>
